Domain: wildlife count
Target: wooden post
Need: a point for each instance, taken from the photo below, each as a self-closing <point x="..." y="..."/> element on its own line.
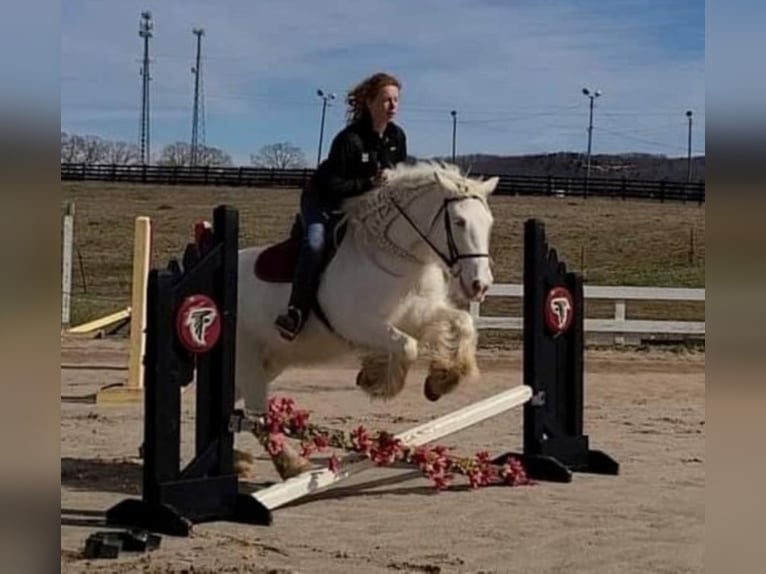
<point x="132" y="391"/>
<point x="619" y="315"/>
<point x="66" y="264"/>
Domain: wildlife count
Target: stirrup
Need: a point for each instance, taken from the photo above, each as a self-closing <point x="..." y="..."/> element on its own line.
<point x="289" y="323"/>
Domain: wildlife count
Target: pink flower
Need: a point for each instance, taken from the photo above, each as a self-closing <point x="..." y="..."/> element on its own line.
<point x="307" y="448"/>
<point x="275" y="444"/>
<point x="513" y="473"/>
<point x="386" y="450"/>
<point x="360" y="440"/>
<point x="298" y="422"/>
<point x="321" y="442"/>
<point x="334" y="464"/>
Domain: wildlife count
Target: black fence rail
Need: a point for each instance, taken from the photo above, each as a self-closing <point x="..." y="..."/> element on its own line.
<point x="183" y="175"/>
<point x="528" y="185"/>
<point x="624" y="188"/>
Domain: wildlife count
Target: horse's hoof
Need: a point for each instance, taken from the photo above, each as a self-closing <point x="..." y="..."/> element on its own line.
<point x="430" y="394"/>
<point x="290" y="464"/>
<point x="244" y="464"/>
<point x="440" y="382"/>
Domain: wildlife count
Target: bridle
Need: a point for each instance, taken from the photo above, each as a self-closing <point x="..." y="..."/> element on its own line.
<point x="453" y="255"/>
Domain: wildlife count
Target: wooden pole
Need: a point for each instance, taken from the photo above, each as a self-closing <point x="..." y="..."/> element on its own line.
<point x="66" y="264"/>
<point x="312" y="480"/>
<point x="132" y="391"/>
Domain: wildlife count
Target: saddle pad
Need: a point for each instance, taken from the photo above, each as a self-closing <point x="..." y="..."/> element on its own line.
<point x="276" y="264"/>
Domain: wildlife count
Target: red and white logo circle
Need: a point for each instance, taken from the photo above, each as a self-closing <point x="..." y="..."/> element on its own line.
<point x="198" y="323"/>
<point x="559" y="310"/>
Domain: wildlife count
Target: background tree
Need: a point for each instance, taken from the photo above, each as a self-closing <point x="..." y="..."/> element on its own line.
<point x="82" y="149"/>
<point x="122" y="153"/>
<point x="281" y="155"/>
<point x="95" y="150"/>
<point x="179" y="154"/>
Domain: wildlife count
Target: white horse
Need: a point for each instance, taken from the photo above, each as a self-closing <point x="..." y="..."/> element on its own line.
<point x="384" y="293"/>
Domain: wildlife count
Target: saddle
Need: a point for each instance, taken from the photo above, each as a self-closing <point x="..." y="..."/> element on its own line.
<point x="276" y="263"/>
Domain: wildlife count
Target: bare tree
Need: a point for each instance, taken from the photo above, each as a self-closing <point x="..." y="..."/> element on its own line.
<point x="213" y="156"/>
<point x="122" y="153"/>
<point x="95" y="150"/>
<point x="68" y="148"/>
<point x="179" y="154"/>
<point x="279" y="156"/>
<point x="82" y="149"/>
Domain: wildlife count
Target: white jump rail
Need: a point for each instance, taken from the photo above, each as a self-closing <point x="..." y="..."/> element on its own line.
<point x="313" y="480"/>
<point x="619" y="325"/>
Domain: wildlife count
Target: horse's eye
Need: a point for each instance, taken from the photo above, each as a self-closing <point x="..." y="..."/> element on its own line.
<point x="460" y="222"/>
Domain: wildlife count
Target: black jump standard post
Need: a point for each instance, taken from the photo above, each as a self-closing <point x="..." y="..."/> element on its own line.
<point x="191" y="329"/>
<point x="554" y="443"/>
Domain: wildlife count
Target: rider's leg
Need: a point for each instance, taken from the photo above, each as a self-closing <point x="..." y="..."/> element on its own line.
<point x="305" y="280"/>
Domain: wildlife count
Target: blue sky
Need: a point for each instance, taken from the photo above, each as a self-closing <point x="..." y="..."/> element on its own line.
<point x="513" y="70"/>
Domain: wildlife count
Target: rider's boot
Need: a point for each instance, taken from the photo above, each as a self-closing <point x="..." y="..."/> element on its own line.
<point x="290" y="323"/>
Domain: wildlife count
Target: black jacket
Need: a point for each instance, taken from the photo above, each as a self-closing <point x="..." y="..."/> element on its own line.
<point x="356" y="155"/>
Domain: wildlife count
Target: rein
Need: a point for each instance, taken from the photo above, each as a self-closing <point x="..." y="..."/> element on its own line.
<point x="453" y="255"/>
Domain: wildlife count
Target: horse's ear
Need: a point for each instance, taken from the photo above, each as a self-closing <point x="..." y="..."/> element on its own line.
<point x="445" y="182"/>
<point x="489" y="186"/>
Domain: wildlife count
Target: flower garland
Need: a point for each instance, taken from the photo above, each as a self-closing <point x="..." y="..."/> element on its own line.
<point x="283" y="419"/>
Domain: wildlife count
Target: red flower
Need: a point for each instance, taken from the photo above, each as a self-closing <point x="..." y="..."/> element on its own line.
<point x="513" y="473"/>
<point x="307" y="448"/>
<point x="298" y="422"/>
<point x="334" y="464"/>
<point x="387" y="449"/>
<point x="321" y="442"/>
<point x="275" y="444"/>
<point x="360" y="440"/>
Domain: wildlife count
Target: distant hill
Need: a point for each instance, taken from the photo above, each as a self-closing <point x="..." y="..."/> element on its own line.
<point x="564" y="164"/>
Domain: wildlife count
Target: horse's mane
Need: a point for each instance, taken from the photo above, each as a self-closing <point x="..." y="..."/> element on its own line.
<point x="408" y="181"/>
<point x="374" y="211"/>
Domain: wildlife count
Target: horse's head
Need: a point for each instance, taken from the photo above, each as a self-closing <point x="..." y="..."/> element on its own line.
<point x="465" y="231"/>
<point x="434" y="211"/>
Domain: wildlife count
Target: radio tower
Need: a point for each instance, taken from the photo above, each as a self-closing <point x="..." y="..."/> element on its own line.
<point x="197" y="71"/>
<point x="145" y="32"/>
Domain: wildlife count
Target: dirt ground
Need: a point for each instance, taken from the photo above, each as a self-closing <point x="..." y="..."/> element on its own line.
<point x="646" y="409"/>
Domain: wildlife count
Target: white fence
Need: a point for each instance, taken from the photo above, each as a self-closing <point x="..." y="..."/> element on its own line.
<point x="619" y="325"/>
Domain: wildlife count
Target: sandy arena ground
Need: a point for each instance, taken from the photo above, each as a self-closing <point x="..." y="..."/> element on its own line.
<point x="646" y="409"/>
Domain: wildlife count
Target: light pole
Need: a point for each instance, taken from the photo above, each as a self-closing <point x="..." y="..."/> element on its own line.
<point x="325" y="98"/>
<point x="591" y="97"/>
<point x="194" y="152"/>
<point x="453" y="113"/>
<point x="689" y="149"/>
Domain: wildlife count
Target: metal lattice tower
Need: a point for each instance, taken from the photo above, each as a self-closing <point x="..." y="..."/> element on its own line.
<point x="145" y="32"/>
<point x="202" y="141"/>
<point x="197" y="71"/>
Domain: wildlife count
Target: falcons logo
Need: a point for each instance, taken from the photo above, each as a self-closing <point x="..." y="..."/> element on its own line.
<point x="559" y="310"/>
<point x="198" y="323"/>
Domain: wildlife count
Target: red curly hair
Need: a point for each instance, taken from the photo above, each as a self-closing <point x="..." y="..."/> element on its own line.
<point x="366" y="90"/>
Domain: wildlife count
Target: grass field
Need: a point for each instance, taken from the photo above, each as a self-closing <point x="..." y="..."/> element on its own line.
<point x="611" y="242"/>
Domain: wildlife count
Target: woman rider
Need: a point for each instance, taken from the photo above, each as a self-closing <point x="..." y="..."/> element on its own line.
<point x="360" y="158"/>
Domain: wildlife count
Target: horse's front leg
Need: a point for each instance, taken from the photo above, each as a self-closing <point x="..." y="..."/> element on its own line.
<point x="390" y="355"/>
<point x="451" y="338"/>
